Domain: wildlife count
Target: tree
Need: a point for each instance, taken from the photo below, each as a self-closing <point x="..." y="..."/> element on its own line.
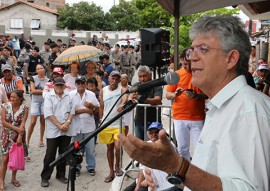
<point x="187" y="21"/>
<point x="151" y="14"/>
<point x="81" y="16"/>
<point x="125" y="16"/>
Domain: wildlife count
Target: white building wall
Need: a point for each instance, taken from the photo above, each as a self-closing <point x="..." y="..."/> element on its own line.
<point x="48" y="20"/>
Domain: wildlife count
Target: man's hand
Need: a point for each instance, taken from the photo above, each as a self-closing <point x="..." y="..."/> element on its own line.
<point x="64" y="126"/>
<point x="149" y="179"/>
<point x="157" y="152"/>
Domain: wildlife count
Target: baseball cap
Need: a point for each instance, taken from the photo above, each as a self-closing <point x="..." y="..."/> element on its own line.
<point x="115" y="73"/>
<point x="7" y="67"/>
<point x="80" y="78"/>
<point x="58" y="70"/>
<point x="59" y="81"/>
<point x="155" y="125"/>
<point x="263" y="67"/>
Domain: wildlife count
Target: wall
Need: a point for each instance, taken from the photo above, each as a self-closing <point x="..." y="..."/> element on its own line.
<point x="40" y="36"/>
<point x="27" y="13"/>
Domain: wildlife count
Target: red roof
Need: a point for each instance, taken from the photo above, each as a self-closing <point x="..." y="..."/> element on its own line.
<point x="36" y="6"/>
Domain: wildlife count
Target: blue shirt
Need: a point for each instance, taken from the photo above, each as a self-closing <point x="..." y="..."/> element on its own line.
<point x="107" y="68"/>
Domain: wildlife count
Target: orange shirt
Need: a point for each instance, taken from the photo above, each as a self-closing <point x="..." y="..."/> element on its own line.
<point x="11" y="86"/>
<point x="183" y="107"/>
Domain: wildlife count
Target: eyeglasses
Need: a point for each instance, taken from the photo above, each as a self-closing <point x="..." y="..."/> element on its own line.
<point x="153" y="132"/>
<point x="202" y="49"/>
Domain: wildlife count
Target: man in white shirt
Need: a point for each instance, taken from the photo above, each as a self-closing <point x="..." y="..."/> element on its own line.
<point x="85" y="103"/>
<point x="58" y="113"/>
<point x="232" y="153"/>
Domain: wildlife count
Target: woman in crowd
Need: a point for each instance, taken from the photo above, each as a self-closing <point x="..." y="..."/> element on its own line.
<point x="91" y="68"/>
<point x="37" y="83"/>
<point x="70" y="78"/>
<point x="14" y="116"/>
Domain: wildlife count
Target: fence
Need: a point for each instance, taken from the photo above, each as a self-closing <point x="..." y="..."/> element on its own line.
<point x="40" y="36"/>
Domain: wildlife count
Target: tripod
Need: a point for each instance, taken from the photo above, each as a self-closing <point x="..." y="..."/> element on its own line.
<point x="72" y="162"/>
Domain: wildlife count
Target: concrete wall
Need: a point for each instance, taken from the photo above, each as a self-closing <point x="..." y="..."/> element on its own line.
<point x="40" y="36"/>
<point x="27" y="13"/>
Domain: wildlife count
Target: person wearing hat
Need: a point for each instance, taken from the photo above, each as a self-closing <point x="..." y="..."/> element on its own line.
<point x="160" y="176"/>
<point x="49" y="86"/>
<point x="108" y="97"/>
<point x="86" y="104"/>
<point x="262" y="71"/>
<point x="10" y="81"/>
<point x="58" y="114"/>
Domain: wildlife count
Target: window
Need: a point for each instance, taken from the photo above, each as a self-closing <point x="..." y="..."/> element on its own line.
<point x="16" y="23"/>
<point x="48" y="4"/>
<point x="35" y="24"/>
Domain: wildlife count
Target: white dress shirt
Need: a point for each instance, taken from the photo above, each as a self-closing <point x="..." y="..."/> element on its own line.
<point x="83" y="122"/>
<point x="235" y="141"/>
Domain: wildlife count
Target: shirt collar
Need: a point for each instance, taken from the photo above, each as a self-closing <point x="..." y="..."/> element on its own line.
<point x="227" y="92"/>
<point x="53" y="93"/>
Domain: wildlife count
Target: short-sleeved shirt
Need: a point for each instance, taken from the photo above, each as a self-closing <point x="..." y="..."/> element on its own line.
<point x="107" y="68"/>
<point x="83" y="122"/>
<point x="151" y="112"/>
<point x="60" y="108"/>
<point x="183" y="107"/>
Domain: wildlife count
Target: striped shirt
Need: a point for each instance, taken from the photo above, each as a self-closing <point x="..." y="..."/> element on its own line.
<point x="16" y="83"/>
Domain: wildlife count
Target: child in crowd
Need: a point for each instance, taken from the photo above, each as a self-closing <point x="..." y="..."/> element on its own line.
<point x="92" y="85"/>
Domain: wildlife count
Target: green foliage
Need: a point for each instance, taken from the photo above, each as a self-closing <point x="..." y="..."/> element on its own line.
<point x="129" y="16"/>
<point x="151" y="14"/>
<point x="81" y="16"/>
<point x="125" y="16"/>
<point x="187" y="21"/>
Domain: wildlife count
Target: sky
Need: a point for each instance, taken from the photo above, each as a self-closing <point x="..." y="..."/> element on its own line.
<point x="105" y="4"/>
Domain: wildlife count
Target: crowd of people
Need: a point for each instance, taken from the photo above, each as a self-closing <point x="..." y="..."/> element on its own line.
<point x="212" y="103"/>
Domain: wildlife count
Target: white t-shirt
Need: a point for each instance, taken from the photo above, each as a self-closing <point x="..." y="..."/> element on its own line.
<point x="70" y="81"/>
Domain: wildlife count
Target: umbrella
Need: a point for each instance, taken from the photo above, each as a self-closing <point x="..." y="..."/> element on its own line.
<point x="79" y="53"/>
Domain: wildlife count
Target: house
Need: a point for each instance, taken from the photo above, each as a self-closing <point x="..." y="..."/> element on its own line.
<point x="49" y="3"/>
<point x="22" y="14"/>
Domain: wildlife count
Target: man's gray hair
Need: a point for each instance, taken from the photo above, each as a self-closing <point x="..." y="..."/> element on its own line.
<point x="144" y="69"/>
<point x="232" y="33"/>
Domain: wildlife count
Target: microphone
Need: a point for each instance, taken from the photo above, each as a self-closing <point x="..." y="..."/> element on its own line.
<point x="171" y="78"/>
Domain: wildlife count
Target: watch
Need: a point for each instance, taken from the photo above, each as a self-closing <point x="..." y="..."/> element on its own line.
<point x="179" y="177"/>
<point x="69" y="121"/>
